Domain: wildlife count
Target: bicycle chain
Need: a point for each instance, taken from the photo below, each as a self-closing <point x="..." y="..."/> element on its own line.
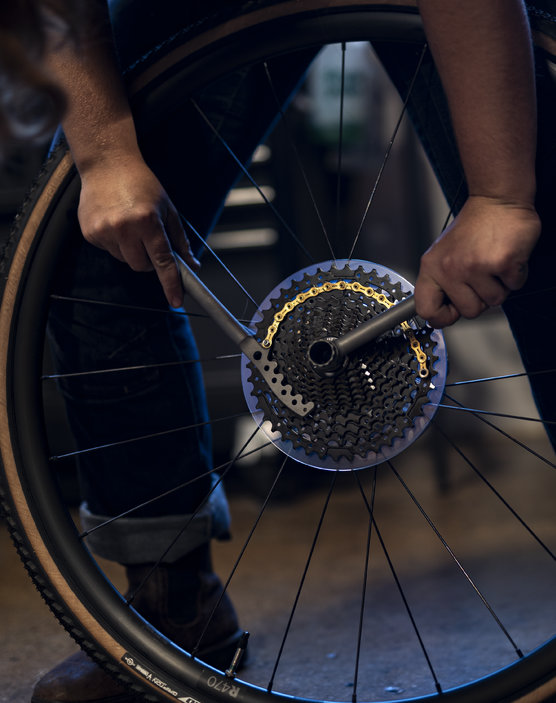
<point x="380" y="391"/>
<point x="358" y="288"/>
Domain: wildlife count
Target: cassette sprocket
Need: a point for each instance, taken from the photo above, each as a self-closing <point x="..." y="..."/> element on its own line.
<point x="383" y="396"/>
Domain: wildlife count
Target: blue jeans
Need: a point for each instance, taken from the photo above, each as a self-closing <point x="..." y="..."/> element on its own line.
<point x="108" y="408"/>
<point x="105" y="409"/>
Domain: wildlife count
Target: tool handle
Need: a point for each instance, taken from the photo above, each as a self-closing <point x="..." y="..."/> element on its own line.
<point x="379" y="324"/>
<point x="195" y="288"/>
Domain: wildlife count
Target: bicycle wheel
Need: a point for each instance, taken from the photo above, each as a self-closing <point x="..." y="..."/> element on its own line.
<point x="85" y="598"/>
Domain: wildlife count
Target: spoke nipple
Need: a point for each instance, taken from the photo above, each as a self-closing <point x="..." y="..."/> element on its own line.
<point x="231" y="671"/>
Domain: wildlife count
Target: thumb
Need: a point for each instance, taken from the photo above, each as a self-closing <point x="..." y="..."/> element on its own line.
<point x="433" y="305"/>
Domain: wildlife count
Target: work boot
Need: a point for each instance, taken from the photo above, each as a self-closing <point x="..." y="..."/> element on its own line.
<point x="177" y="599"/>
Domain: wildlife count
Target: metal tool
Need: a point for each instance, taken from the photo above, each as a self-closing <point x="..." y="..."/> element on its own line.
<point x="327" y="355"/>
<point x="243" y="337"/>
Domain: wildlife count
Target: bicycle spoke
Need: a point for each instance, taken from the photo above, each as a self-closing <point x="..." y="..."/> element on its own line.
<point x="171" y="491"/>
<point x="246" y="173"/>
<point x="340" y="143"/>
<point x="456" y="561"/>
<point x="386" y="157"/>
<point x="298" y="161"/>
<point x="134" y="308"/>
<point x="452" y="208"/>
<point x="365" y="580"/>
<point x="302" y="582"/>
<point x="217" y="258"/>
<point x="153" y="435"/>
<point x="491" y="487"/>
<point x="509" y="436"/>
<point x="242" y="552"/>
<point x="189" y="521"/>
<point x="505" y="377"/>
<point x="401" y="591"/>
<point x="141" y="367"/>
<point x="123" y="306"/>
<point x="476" y="411"/>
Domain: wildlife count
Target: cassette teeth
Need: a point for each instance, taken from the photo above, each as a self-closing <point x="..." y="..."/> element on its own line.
<point x="376" y="397"/>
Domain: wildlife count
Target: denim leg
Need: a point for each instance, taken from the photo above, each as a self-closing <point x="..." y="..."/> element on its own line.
<point x="148" y="404"/>
<point x="530" y="311"/>
<point x="107" y="408"/>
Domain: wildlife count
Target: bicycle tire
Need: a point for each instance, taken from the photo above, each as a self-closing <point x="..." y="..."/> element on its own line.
<point x="69" y="581"/>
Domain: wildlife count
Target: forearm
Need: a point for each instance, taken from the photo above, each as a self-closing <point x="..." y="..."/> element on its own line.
<point x="123" y="207"/>
<point x="98" y="122"/>
<point x="484" y="58"/>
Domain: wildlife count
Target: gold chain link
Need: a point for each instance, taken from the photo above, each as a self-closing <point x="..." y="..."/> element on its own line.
<point x="357" y="288"/>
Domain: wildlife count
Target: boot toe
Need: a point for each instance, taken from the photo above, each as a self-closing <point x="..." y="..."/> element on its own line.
<point x="79" y="680"/>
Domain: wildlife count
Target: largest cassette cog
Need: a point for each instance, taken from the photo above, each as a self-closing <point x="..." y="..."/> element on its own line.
<point x="378" y="402"/>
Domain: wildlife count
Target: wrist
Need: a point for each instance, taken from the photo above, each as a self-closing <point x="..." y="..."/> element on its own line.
<point x="522" y="201"/>
<point x="113" y="147"/>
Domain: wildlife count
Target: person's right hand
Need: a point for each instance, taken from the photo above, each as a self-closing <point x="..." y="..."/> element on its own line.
<point x="124" y="209"/>
<point x="477" y="261"/>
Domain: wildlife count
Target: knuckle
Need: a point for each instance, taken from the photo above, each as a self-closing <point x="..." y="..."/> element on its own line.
<point x="163" y="262"/>
<point x="470" y="311"/>
<point x="140" y="216"/>
<point x="516" y="278"/>
<point x="97" y="235"/>
<point x="496" y="298"/>
<point x="146" y="217"/>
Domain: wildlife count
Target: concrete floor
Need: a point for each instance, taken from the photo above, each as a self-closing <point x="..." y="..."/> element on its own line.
<point x="318" y="661"/>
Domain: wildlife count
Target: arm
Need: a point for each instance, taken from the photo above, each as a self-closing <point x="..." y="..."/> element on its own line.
<point x="123" y="207"/>
<point x="483" y="54"/>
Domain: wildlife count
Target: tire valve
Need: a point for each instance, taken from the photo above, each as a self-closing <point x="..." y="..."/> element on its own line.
<point x="231" y="671"/>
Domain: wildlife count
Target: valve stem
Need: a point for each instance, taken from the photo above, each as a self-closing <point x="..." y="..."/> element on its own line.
<point x="231" y="671"/>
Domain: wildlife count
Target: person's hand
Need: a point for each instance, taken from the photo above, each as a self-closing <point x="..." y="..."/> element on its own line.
<point x="124" y="209"/>
<point x="477" y="261"/>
